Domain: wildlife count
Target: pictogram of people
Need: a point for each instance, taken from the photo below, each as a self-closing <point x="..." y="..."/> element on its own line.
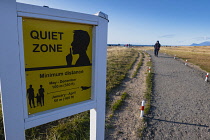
<point x="30" y="94"/>
<point x="41" y="93"/>
<point x="39" y="96"/>
<point x="81" y="40"/>
<point x="38" y="100"/>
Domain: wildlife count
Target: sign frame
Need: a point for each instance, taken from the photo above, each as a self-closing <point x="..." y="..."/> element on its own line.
<point x="24" y="121"/>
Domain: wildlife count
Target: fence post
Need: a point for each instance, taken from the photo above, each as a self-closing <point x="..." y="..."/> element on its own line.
<point x="142" y="109"/>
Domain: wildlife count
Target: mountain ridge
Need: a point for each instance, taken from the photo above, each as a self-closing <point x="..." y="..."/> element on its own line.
<point x="206" y="43"/>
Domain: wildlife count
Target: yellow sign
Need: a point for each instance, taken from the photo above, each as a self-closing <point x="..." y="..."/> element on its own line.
<point x="58" y="63"/>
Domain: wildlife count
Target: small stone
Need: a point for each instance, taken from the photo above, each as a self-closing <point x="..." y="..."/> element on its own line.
<point x="118" y="93"/>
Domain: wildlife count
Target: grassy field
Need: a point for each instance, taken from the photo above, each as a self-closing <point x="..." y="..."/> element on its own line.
<point x="119" y="61"/>
<point x="198" y="55"/>
<point x="70" y="128"/>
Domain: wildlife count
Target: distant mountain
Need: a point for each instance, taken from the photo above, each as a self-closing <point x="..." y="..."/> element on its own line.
<point x="206" y="43"/>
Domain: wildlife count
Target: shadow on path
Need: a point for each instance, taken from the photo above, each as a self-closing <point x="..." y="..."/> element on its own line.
<point x="150" y="118"/>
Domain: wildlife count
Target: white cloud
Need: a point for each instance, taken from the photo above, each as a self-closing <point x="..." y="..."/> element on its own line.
<point x="168" y="36"/>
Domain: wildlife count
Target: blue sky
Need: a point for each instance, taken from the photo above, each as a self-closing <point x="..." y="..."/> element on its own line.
<point x="172" y="22"/>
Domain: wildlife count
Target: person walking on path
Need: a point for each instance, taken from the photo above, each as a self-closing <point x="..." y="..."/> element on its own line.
<point x="157" y="48"/>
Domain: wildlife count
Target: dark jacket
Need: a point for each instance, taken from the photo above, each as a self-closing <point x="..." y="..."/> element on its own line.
<point x="157" y="46"/>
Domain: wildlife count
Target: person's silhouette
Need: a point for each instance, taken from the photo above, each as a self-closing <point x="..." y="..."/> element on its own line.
<point x="79" y="46"/>
<point x="41" y="94"/>
<point x="38" y="99"/>
<point x="30" y="93"/>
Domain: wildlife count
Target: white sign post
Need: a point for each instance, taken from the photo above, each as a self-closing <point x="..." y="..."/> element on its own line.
<point x="16" y="115"/>
<point x="12" y="104"/>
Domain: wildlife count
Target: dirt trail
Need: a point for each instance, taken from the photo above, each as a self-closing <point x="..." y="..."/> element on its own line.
<point x="181" y="102"/>
<point x="126" y="121"/>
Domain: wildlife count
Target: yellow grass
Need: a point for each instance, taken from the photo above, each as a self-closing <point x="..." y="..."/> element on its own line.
<point x="119" y="61"/>
<point x="198" y="55"/>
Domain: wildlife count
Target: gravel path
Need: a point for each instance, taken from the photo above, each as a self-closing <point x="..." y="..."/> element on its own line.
<point x="181" y="102"/>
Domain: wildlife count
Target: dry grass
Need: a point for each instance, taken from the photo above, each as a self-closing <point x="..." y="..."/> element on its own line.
<point x="198" y="55"/>
<point x="148" y="93"/>
<point x="117" y="105"/>
<point x="139" y="64"/>
<point x="70" y="128"/>
<point x="119" y="61"/>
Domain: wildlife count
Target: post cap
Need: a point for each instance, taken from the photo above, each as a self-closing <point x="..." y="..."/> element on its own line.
<point x="102" y="15"/>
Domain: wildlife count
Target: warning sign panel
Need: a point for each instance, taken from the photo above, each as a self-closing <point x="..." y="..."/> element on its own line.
<point x="58" y="63"/>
